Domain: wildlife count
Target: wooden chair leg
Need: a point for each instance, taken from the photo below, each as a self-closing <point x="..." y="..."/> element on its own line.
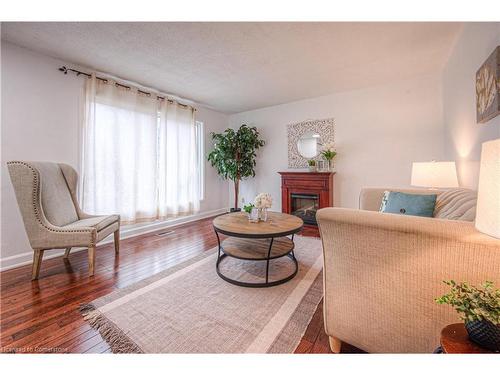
<point x="37" y="261"/>
<point x="91" y="260"/>
<point x="335" y="344"/>
<point x="66" y="253"/>
<point x="117" y="241"/>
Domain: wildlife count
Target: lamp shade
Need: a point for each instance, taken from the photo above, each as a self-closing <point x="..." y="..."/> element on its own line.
<point x="488" y="194"/>
<point x="434" y="174"/>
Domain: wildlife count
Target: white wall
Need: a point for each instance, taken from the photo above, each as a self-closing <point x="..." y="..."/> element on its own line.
<point x="40" y="121"/>
<point x="379" y="132"/>
<point x="463" y="136"/>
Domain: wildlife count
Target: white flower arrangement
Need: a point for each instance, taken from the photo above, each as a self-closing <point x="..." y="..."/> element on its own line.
<point x="263" y="200"/>
<point x="328" y="146"/>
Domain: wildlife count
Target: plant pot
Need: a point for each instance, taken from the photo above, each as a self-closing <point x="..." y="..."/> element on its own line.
<point x="313" y="168"/>
<point x="232" y="209"/>
<point x="484" y="333"/>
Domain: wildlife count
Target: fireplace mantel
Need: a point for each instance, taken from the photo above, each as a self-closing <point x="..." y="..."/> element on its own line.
<point x="316" y="186"/>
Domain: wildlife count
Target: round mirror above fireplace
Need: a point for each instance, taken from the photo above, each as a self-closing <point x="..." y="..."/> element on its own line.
<point x="307" y="144"/>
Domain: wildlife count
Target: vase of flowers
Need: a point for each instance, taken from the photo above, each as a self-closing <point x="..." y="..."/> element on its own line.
<point x="328" y="152"/>
<point x="479" y="308"/>
<point x="263" y="202"/>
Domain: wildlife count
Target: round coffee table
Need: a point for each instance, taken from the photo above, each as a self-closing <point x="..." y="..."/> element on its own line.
<point x="262" y="241"/>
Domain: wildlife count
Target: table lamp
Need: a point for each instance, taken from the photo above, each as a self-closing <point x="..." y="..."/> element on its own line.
<point x="488" y="194"/>
<point x="434" y="174"/>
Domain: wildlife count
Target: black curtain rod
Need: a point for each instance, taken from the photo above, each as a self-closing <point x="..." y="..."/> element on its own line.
<point x="78" y="73"/>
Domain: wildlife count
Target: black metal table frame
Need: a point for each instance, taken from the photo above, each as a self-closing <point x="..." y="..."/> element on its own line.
<point x="222" y="255"/>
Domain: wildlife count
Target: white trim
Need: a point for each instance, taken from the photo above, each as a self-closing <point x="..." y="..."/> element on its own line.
<point x="23" y="259"/>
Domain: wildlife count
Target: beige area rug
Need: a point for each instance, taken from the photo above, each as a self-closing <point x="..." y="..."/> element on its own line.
<point x="190" y="309"/>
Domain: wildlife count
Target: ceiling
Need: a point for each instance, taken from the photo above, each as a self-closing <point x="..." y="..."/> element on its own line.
<point x="234" y="67"/>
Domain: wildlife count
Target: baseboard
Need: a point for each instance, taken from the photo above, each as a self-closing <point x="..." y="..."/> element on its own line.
<point x="19" y="260"/>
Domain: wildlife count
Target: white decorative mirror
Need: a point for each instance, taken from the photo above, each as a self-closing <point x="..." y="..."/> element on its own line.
<point x="308" y="144"/>
<point x="305" y="139"/>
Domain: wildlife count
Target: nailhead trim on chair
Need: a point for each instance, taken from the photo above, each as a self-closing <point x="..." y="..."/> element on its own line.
<point x="36" y="188"/>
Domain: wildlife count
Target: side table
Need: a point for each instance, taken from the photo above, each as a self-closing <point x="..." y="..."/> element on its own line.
<point x="455" y="340"/>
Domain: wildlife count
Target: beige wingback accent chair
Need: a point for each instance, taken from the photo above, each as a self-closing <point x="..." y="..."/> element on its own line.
<point x="46" y="195"/>
<point x="383" y="271"/>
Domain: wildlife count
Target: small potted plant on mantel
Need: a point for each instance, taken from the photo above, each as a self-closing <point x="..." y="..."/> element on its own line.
<point x="479" y="308"/>
<point x="312" y="165"/>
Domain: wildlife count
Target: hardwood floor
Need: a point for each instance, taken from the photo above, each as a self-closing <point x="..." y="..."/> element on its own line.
<point x="42" y="315"/>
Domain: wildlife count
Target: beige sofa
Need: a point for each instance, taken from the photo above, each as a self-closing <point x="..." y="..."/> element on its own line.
<point x="382" y="272"/>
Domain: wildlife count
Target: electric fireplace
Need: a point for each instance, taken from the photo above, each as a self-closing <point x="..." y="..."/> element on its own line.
<point x="304" y="193"/>
<point x="305" y="207"/>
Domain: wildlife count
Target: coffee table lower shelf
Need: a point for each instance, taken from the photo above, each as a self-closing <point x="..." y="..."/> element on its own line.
<point x="257" y="249"/>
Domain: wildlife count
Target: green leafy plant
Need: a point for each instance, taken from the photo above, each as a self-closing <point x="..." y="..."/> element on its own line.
<point x="311" y="163"/>
<point x="473" y="303"/>
<point x="248" y="208"/>
<point x="328" y="151"/>
<point x="234" y="154"/>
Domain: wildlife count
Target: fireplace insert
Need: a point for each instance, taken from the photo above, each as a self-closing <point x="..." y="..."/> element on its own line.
<point x="305" y="207"/>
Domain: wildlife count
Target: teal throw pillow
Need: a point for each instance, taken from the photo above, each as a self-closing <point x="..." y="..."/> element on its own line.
<point x="395" y="202"/>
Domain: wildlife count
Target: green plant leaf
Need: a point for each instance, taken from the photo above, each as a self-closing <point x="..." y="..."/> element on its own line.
<point x="473" y="303"/>
<point x="233" y="155"/>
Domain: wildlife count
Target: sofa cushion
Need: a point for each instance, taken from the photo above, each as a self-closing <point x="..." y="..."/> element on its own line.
<point x="456" y="204"/>
<point x="98" y="222"/>
<point x="371" y="198"/>
<point x="408" y="204"/>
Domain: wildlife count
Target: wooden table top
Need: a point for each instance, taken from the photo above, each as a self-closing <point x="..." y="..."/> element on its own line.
<point x="277" y="225"/>
<point x="455" y="340"/>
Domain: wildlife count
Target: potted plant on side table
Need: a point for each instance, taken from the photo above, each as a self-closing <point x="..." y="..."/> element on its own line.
<point x="479" y="308"/>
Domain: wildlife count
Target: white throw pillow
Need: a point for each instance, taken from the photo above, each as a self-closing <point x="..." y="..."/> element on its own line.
<point x="456" y="204"/>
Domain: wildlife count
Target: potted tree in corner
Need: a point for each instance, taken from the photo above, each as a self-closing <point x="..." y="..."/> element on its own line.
<point x="234" y="155"/>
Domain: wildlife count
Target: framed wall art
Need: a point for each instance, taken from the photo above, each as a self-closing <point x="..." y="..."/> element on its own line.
<point x="488" y="88"/>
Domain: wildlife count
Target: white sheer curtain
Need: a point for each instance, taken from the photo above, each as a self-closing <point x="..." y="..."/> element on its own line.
<point x="137" y="155"/>
<point x="179" y="188"/>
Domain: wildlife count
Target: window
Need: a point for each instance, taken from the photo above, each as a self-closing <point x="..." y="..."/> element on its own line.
<point x="200" y="142"/>
<point x="142" y="157"/>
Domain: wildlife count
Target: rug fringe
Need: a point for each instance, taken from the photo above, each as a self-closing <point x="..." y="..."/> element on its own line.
<point x="118" y="341"/>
